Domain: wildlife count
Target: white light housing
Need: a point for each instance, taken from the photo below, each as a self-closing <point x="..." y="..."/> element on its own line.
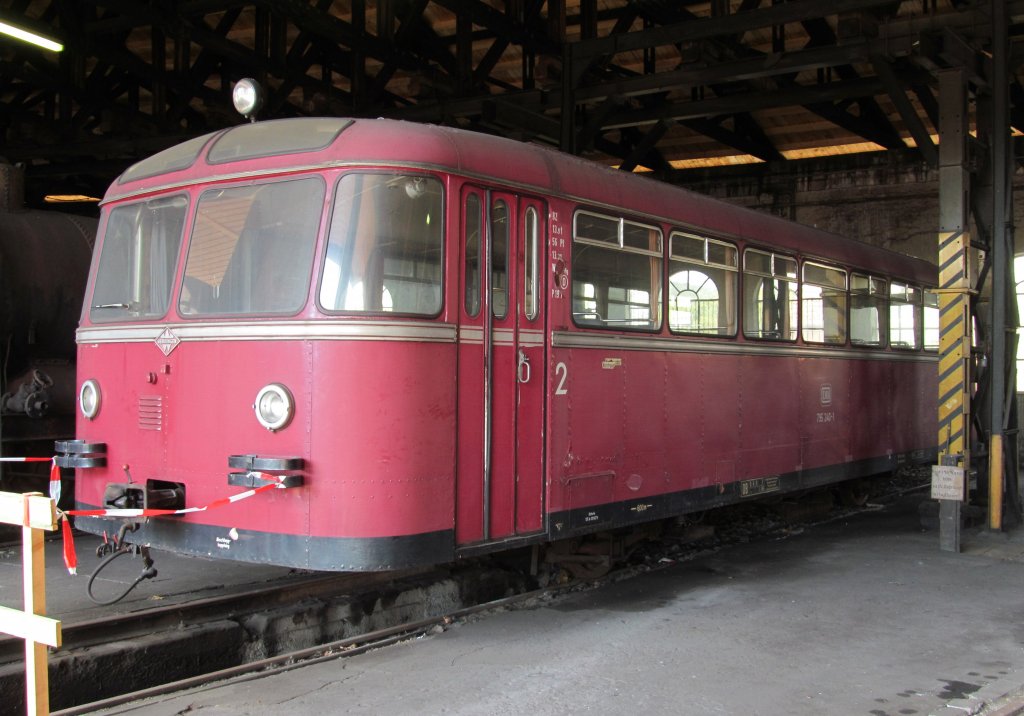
<point x="274" y="406"/>
<point x="89" y="398"/>
<point x="247" y="96"/>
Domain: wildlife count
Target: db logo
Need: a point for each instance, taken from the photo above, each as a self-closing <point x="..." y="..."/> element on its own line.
<point x="826" y="394"/>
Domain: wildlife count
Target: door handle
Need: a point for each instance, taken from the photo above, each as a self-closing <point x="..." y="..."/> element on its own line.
<point x="523" y="369"/>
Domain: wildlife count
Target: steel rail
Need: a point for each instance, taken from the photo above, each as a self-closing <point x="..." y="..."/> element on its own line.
<point x="99" y="630"/>
<point x="340" y="648"/>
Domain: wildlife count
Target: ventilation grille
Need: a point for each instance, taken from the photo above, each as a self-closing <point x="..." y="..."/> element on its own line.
<point x="151" y="412"/>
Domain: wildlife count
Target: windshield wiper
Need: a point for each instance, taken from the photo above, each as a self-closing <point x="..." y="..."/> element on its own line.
<point x="113" y="305"/>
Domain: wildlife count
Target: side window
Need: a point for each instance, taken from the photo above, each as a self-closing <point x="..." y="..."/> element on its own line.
<point x="769" y="296"/>
<point x="702" y="279"/>
<point x="869" y="299"/>
<point x="384" y="249"/>
<point x="931" y="321"/>
<point x="823" y="300"/>
<point x="904" y="316"/>
<point x="474" y="257"/>
<point x="616" y="273"/>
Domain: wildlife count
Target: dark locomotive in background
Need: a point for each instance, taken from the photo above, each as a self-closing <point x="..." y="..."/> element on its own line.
<point x="44" y="261"/>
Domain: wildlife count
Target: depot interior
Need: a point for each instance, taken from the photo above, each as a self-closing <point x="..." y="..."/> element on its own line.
<point x="894" y="123"/>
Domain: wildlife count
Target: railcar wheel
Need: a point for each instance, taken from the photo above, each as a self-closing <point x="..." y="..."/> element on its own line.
<point x="594" y="556"/>
<point x="588" y="568"/>
<point x="580" y="558"/>
<point x="853" y="493"/>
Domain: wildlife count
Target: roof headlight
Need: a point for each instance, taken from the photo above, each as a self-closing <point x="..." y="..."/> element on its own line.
<point x="274" y="406"/>
<point x="89" y="398"/>
<point x="247" y="96"/>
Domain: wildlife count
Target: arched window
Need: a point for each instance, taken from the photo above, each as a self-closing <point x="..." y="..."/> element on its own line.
<point x="702" y="285"/>
<point x="693" y="302"/>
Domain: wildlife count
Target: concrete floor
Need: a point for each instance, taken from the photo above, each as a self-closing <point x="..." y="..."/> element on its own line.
<point x="859" y="616"/>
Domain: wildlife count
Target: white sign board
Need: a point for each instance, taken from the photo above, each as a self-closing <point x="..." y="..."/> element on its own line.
<point x="947" y="482"/>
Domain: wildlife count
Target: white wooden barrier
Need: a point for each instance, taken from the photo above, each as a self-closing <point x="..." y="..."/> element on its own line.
<point x="34" y="513"/>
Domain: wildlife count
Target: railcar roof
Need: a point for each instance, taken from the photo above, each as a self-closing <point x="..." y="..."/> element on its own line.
<point x="531" y="167"/>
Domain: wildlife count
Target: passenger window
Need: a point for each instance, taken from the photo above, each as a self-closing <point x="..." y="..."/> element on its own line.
<point x="904" y="316"/>
<point x="931" y="321"/>
<point x="823" y="300"/>
<point x="769" y="296"/>
<point x="868" y="310"/>
<point x="616" y="273"/>
<point x="702" y="285"/>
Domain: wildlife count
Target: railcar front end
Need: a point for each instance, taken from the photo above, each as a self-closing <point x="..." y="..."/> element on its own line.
<point x="284" y="329"/>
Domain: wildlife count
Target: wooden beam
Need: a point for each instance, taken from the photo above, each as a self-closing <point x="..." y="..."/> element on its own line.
<point x="31" y="627"/>
<point x="706" y="28"/>
<point x="34" y="513"/>
<point x="32" y="510"/>
<point x="898" y="95"/>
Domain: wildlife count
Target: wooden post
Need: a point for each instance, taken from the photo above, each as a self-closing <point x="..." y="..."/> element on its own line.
<point x="34" y="513"/>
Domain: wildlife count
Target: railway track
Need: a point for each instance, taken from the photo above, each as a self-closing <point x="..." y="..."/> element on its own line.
<point x="324" y="652"/>
<point x="91" y="632"/>
<point x="386" y="608"/>
<point x="106" y="656"/>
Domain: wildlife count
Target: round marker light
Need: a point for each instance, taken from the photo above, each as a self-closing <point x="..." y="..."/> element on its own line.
<point x="89" y="398"/>
<point x="247" y="96"/>
<point x="274" y="406"/>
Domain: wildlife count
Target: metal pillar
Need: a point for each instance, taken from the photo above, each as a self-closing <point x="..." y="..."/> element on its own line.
<point x="954" y="296"/>
<point x="1002" y="273"/>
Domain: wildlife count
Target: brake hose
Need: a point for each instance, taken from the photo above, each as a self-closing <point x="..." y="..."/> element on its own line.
<point x="148" y="572"/>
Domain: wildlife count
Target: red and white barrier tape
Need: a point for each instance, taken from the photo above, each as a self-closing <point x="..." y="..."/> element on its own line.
<point x="273" y="481"/>
<point x="70" y="557"/>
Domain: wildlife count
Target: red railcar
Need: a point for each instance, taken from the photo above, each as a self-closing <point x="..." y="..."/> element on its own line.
<point x="444" y="343"/>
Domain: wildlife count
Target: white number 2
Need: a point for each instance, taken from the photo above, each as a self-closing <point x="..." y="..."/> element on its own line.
<point x="562" y="371"/>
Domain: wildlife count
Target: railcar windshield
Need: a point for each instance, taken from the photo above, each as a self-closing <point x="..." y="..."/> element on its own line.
<point x="251" y="250"/>
<point x="384" y="251"/>
<point x="137" y="261"/>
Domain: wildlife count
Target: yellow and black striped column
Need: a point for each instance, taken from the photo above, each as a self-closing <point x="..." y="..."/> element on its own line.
<point x="955" y="328"/>
<point x="954" y="348"/>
